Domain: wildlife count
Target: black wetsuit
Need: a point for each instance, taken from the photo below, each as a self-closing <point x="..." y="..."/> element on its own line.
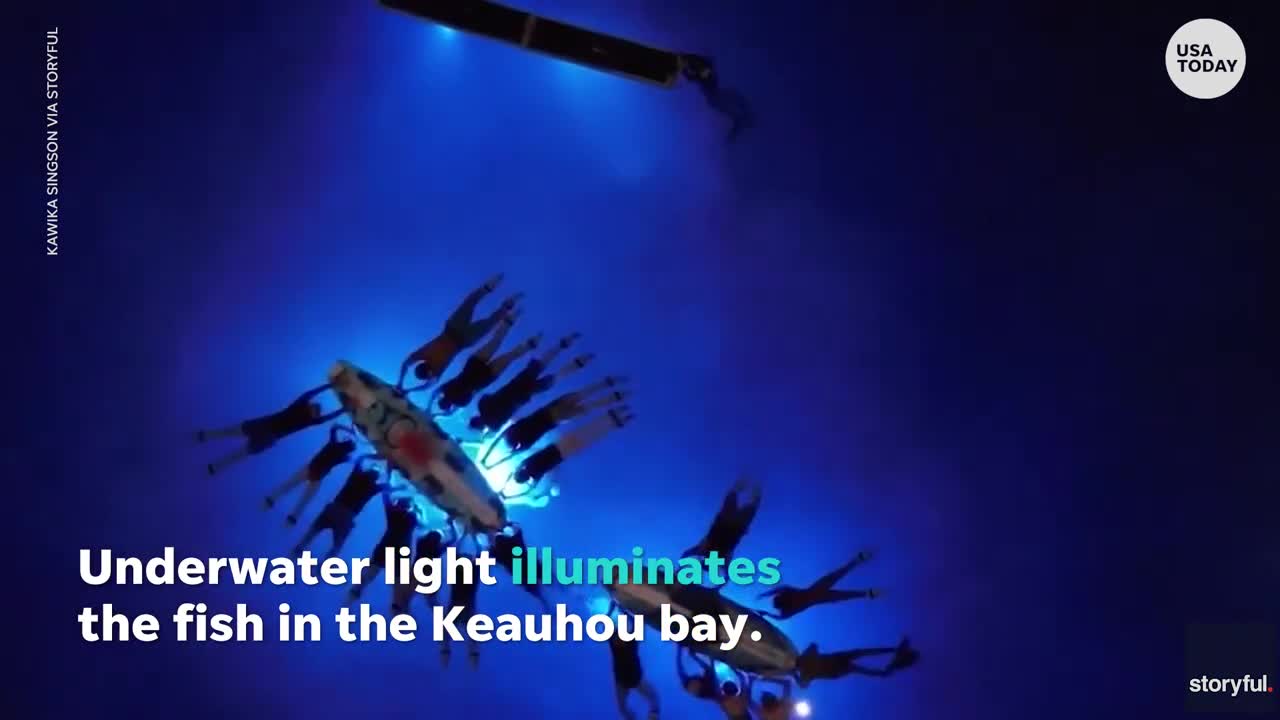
<point x="627" y="672"/>
<point x="539" y="464"/>
<point x="264" y="431"/>
<point x="464" y="596"/>
<point x="528" y="430"/>
<point x="361" y="486"/>
<point x="331" y="455"/>
<point x="430" y="545"/>
<point x="503" y="550"/>
<point x="497" y="407"/>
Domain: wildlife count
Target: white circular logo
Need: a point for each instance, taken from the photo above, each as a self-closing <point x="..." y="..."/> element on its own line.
<point x="1205" y="58"/>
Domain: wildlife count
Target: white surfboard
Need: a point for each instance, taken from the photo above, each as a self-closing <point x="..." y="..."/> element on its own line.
<point x="415" y="445"/>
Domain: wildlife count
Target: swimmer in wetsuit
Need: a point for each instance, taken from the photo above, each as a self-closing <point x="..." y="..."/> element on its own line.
<point x="482" y="368"/>
<point x="728" y="102"/>
<point x="731" y="522"/>
<point x="461" y="331"/>
<point x="429" y="545"/>
<point x="339" y="516"/>
<point x="503" y="553"/>
<point x="537" y="465"/>
<point x="402" y="521"/>
<point x="789" y="601"/>
<point x="527" y="431"/>
<point x="332" y="454"/>
<point x="628" y="675"/>
<point x="812" y="665"/>
<point x="263" y="432"/>
<point x="496" y="408"/>
<point x="463" y="595"/>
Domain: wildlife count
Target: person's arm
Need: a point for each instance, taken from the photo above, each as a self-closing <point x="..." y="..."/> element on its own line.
<point x="312" y="393"/>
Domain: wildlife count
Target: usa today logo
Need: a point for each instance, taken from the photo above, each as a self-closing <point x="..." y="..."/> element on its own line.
<point x="1205" y="58"/>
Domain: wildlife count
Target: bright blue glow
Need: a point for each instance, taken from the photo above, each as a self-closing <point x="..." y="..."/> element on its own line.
<point x="803" y="709"/>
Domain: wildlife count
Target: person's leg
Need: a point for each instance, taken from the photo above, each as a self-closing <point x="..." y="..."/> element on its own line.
<point x="401" y="594"/>
<point x="566" y="407"/>
<point x="828" y="581"/>
<point x="745" y="514"/>
<point x="319" y="525"/>
<point x="856" y="669"/>
<point x="228" y="460"/>
<point x="549" y="355"/>
<point x="605" y="401"/>
<point x="367" y="577"/>
<point x="236" y="430"/>
<point x="499" y="365"/>
<point x="574" y="366"/>
<point x="620" y="695"/>
<point x="341" y="531"/>
<point x="283" y="488"/>
<point x="849" y="657"/>
<point x="308" y="492"/>
<point x="446" y="650"/>
<point x="459" y="321"/>
<point x="828" y="597"/>
<point x="581" y="438"/>
<point x="648" y="693"/>
<point x="494" y="342"/>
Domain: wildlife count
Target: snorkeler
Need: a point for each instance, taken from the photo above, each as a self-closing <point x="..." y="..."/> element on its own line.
<point x="263" y="432"/>
<point x="812" y="665"/>
<point x="463" y="595"/>
<point x="429" y="545"/>
<point x="401" y="523"/>
<point x="503" y="551"/>
<point x="628" y="675"/>
<point x="482" y="368"/>
<point x="789" y="601"/>
<point x="728" y="102"/>
<point x="339" y="516"/>
<point x="333" y="453"/>
<point x="527" y="431"/>
<point x="549" y="458"/>
<point x="496" y="408"/>
<point x="460" y="332"/>
<point x="731" y="522"/>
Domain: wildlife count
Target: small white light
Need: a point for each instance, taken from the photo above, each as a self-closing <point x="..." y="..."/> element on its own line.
<point x="802" y="709"/>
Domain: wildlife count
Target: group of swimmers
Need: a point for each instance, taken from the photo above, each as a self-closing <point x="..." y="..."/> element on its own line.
<point x="495" y="411"/>
<point x="494" y="414"/>
<point x="735" y="698"/>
